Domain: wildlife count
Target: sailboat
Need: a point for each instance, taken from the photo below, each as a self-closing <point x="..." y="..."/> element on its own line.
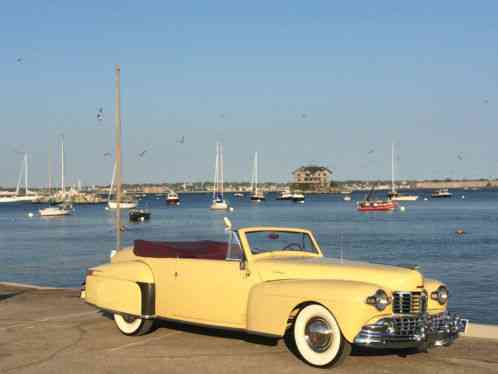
<point x="393" y="194"/>
<point x="127" y="202"/>
<point x="256" y="195"/>
<point x="219" y="203"/>
<point x="65" y="208"/>
<point x="28" y="195"/>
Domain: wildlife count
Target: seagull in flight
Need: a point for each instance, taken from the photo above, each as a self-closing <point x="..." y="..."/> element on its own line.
<point x="107" y="154"/>
<point x="181" y="140"/>
<point x="141" y="154"/>
<point x="371" y="151"/>
<point x="100" y="115"/>
<point x="19" y="60"/>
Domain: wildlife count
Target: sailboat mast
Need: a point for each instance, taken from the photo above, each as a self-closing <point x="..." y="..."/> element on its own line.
<point x="392" y="167"/>
<point x="215" y="184"/>
<point x="21" y="170"/>
<point x="255" y="172"/>
<point x="62" y="165"/>
<point x="117" y="119"/>
<point x="49" y="171"/>
<point x="221" y="170"/>
<point x="26" y="173"/>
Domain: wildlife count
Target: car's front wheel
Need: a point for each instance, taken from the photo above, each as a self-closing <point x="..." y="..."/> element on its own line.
<point x="318" y="337"/>
<point x="130" y="325"/>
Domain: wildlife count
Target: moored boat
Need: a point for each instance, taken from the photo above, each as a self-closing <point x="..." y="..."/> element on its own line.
<point x="57" y="210"/>
<point x="394" y="195"/>
<point x="443" y="192"/>
<point x="370" y="205"/>
<point x="298" y="197"/>
<point x="219" y="202"/>
<point x="139" y="215"/>
<point x="285" y="195"/>
<point x="172" y="198"/>
<point x="257" y="195"/>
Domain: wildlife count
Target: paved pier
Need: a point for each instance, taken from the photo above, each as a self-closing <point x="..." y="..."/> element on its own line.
<point x="53" y="331"/>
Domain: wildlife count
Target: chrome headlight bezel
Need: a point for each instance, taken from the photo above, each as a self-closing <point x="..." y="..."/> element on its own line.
<point x="379" y="300"/>
<point x="441" y="295"/>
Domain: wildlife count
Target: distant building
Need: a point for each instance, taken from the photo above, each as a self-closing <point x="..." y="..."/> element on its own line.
<point x="312" y="177"/>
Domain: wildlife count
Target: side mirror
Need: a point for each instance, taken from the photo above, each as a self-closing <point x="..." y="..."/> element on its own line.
<point x="243" y="264"/>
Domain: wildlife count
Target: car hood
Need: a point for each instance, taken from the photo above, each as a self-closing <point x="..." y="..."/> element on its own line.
<point x="385" y="276"/>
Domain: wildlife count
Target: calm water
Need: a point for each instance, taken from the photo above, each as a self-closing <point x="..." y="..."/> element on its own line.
<point x="57" y="251"/>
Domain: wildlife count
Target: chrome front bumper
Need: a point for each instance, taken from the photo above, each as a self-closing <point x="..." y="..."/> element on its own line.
<point x="399" y="332"/>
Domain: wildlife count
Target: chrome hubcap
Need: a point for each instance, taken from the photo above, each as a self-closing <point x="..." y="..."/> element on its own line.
<point x="318" y="334"/>
<point x="129" y="319"/>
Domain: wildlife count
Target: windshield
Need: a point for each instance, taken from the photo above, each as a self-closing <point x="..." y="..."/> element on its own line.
<point x="273" y="241"/>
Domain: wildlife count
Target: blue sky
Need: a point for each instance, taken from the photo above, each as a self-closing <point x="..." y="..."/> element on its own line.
<point x="299" y="82"/>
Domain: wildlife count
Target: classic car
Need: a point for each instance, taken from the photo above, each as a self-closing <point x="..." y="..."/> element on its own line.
<point x="274" y="281"/>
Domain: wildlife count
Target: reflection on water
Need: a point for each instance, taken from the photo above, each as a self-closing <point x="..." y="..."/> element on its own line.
<point x="58" y="251"/>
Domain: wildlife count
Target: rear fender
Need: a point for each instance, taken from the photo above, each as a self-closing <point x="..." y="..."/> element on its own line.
<point x="125" y="287"/>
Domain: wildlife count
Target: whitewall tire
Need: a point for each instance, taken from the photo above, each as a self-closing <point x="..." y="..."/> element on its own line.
<point x="318" y="337"/>
<point x="129" y="325"/>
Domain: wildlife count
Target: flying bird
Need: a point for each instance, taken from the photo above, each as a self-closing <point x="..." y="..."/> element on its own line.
<point x="460" y="157"/>
<point x="181" y="140"/>
<point x="141" y="154"/>
<point x="107" y="154"/>
<point x="19" y="60"/>
<point x="304" y="115"/>
<point x="100" y="115"/>
<point x="371" y="151"/>
<point x="486" y="101"/>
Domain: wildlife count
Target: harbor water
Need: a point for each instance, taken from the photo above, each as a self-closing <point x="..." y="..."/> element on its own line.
<point x="57" y="251"/>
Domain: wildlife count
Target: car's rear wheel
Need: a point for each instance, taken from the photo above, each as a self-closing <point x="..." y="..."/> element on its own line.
<point x="318" y="337"/>
<point x="130" y="325"/>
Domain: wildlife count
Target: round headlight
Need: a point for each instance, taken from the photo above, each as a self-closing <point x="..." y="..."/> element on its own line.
<point x="380" y="300"/>
<point x="441" y="295"/>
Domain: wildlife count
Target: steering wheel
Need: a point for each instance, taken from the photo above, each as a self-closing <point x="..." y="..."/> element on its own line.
<point x="293" y="246"/>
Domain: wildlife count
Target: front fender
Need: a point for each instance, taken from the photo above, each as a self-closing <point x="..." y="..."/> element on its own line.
<point x="271" y="304"/>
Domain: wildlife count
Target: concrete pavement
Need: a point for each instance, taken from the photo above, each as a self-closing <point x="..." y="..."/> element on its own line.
<point x="53" y="331"/>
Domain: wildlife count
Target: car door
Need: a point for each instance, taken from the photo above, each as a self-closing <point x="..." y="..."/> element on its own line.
<point x="212" y="292"/>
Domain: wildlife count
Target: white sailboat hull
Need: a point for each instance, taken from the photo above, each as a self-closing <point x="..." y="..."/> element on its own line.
<point x="54" y="211"/>
<point x="122" y="205"/>
<point x="405" y="198"/>
<point x="216" y="205"/>
<point x="17" y="199"/>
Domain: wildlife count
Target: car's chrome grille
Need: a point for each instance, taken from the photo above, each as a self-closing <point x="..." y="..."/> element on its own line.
<point x="409" y="302"/>
<point x="407" y="326"/>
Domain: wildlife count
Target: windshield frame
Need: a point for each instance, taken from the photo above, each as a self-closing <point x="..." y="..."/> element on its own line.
<point x="249" y="251"/>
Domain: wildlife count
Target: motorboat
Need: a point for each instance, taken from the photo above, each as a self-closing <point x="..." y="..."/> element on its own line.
<point x="139" y="215"/>
<point x="298" y="197"/>
<point x="347" y="198"/>
<point x="57" y="210"/>
<point x="238" y="194"/>
<point x="172" y="198"/>
<point x="441" y="193"/>
<point x="285" y="195"/>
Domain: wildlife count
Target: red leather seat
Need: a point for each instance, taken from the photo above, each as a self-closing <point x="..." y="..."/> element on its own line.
<point x="203" y="249"/>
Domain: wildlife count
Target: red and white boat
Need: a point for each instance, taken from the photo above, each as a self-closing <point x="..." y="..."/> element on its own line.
<point x="172" y="198"/>
<point x="369" y="205"/>
<point x="376" y="206"/>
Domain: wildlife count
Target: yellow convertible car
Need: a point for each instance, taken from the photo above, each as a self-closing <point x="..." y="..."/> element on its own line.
<point x="274" y="281"/>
